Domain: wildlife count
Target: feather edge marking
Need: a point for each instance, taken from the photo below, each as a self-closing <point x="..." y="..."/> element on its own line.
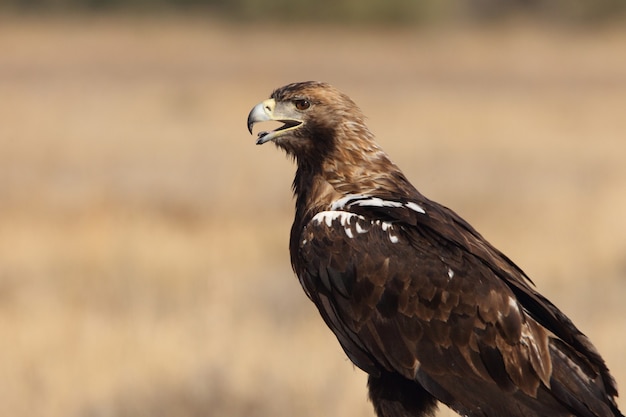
<point x="327" y="217"/>
<point x="415" y="207"/>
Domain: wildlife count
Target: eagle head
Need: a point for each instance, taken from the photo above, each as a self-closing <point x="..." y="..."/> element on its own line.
<point x="314" y="116"/>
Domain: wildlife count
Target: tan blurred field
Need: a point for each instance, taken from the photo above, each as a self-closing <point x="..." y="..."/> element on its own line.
<point x="143" y="237"/>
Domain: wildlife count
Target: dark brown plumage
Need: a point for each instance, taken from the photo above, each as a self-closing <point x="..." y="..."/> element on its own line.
<point x="417" y="298"/>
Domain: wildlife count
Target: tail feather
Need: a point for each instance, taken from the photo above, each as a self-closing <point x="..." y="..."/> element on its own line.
<point x="580" y="385"/>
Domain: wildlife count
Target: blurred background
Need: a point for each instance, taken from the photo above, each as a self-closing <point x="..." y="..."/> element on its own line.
<point x="144" y="267"/>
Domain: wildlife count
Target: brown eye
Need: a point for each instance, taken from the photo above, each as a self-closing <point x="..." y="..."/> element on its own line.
<point x="302" y="104"/>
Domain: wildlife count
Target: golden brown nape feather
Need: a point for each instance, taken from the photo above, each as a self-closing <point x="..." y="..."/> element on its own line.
<point x="334" y="141"/>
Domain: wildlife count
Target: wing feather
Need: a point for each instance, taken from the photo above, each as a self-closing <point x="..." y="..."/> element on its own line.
<point x="406" y="292"/>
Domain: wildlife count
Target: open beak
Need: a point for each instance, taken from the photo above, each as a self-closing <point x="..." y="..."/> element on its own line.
<point x="265" y="112"/>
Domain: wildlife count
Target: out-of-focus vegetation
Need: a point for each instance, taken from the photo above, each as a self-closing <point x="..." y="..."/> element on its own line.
<point x="355" y="11"/>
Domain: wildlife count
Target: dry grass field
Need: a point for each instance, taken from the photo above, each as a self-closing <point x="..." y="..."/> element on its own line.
<point x="143" y="236"/>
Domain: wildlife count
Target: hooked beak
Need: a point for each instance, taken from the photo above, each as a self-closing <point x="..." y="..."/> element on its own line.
<point x="264" y="112"/>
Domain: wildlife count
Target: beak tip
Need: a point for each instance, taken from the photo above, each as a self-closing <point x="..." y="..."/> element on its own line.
<point x="256" y="115"/>
<point x="260" y="113"/>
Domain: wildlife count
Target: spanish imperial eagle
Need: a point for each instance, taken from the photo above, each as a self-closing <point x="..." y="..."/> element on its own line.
<point x="417" y="298"/>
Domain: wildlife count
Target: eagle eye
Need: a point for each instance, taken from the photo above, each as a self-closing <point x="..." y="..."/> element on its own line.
<point x="302" y="104"/>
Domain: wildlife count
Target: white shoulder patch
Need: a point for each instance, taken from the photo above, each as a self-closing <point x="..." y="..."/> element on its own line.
<point x="350" y="227"/>
<point x="328" y="217"/>
<point x="363" y="200"/>
<point x="341" y="203"/>
<point x="353" y="224"/>
<point x="376" y="202"/>
<point x="415" y="207"/>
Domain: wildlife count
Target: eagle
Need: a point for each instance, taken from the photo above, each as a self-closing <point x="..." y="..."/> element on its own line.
<point x="416" y="297"/>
